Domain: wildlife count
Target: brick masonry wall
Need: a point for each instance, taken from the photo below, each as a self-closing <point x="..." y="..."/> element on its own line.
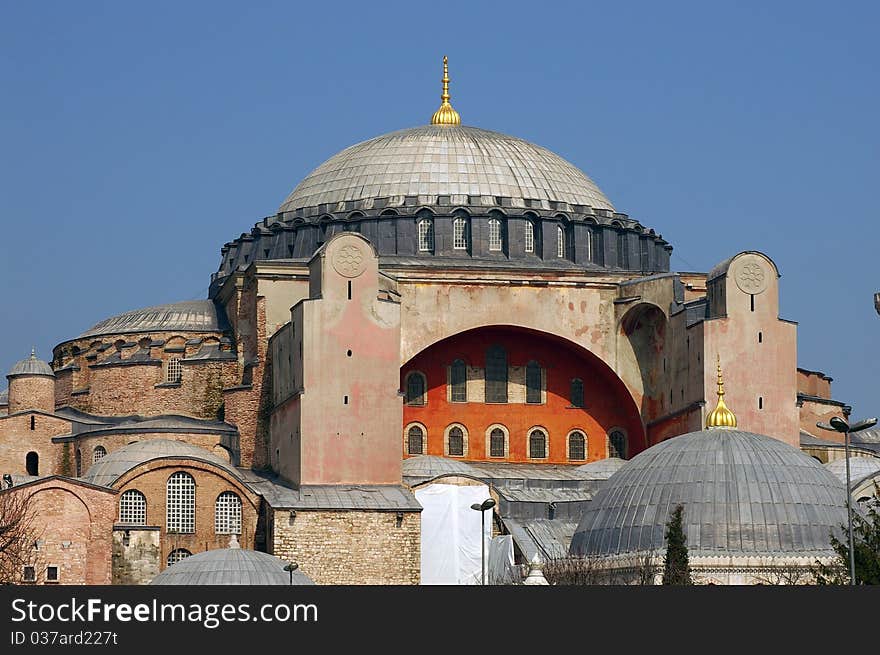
<point x="135" y="555"/>
<point x="73" y="525"/>
<point x="151" y="478"/>
<point x="350" y="547"/>
<point x="31" y="392"/>
<point x="17" y="440"/>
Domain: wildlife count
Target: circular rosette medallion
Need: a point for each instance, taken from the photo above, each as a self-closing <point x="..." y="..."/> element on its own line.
<point x="752" y="276"/>
<point x="350" y="260"/>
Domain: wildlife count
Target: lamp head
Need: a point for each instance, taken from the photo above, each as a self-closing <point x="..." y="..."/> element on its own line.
<point x="477" y="507"/>
<point x="863" y="425"/>
<point x="839" y="424"/>
<point x="487" y="504"/>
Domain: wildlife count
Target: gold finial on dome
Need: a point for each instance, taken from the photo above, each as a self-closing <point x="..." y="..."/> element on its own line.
<point x="721" y="416"/>
<point x="446" y="115"/>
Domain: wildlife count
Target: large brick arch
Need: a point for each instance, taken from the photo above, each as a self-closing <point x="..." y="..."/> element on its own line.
<point x="608" y="401"/>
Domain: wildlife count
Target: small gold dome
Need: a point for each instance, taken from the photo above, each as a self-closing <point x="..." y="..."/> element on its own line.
<point x="445" y="115"/>
<point x="721" y="416"/>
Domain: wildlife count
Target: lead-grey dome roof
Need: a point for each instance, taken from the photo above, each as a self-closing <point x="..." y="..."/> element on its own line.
<point x="190" y="315"/>
<point x="743" y="494"/>
<point x="601" y="469"/>
<point x="109" y="468"/>
<point x="859" y="467"/>
<point x="230" y="566"/>
<point x="31" y="366"/>
<point x="436" y="160"/>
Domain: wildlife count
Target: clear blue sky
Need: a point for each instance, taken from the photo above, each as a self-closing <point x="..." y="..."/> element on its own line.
<point x="137" y="138"/>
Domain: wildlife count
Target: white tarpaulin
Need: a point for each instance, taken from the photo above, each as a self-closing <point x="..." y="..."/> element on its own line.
<point x="451" y="550"/>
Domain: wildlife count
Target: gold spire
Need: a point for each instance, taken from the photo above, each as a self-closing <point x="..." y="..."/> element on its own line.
<point x="720" y="417"/>
<point x="446" y="115"/>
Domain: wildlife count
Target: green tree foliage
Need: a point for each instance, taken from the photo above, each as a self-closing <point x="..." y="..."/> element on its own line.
<point x="866" y="545"/>
<point x="676" y="567"/>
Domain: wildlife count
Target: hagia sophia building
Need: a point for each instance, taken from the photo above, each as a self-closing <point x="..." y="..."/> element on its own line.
<point x="438" y="314"/>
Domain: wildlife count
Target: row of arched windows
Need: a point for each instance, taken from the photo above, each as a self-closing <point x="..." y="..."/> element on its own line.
<point x="180" y="507"/>
<point x="498" y="444"/>
<point x="496" y="382"/>
<point x="497" y="236"/>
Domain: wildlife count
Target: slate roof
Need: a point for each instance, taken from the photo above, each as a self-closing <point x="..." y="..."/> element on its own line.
<point x="743" y="494"/>
<point x="187" y="316"/>
<point x="601" y="469"/>
<point x="367" y="497"/>
<point x="545" y="537"/>
<point x="230" y="566"/>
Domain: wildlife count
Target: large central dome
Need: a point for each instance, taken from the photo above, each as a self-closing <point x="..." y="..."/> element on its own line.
<point x="445" y="160"/>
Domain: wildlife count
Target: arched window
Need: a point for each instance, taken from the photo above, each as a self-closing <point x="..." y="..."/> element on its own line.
<point x="456" y="442"/>
<point x="577" y="446"/>
<point x="78" y="458"/>
<point x="460" y="233"/>
<point x="33" y="422"/>
<point x="132" y="508"/>
<point x="530" y="236"/>
<point x="180" y="503"/>
<point x="495" y="238"/>
<point x="415" y="440"/>
<point x="415" y="388"/>
<point x="617" y="446"/>
<point x="98" y="454"/>
<point x="537" y="444"/>
<point x="533" y="382"/>
<point x="497" y="443"/>
<point x="458" y="382"/>
<point x="426" y="235"/>
<point x="177" y="554"/>
<point x="173" y="370"/>
<point x="496" y="375"/>
<point x="577" y="393"/>
<point x="227" y="513"/>
<point x="560" y="241"/>
<point x="589" y="244"/>
<point x="32" y="463"/>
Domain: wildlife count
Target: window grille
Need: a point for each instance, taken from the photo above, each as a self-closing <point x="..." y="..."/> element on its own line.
<point x="99" y="454"/>
<point x="180" y="495"/>
<point x="577" y="393"/>
<point x="577" y="446"/>
<point x="560" y="241"/>
<point x="227" y="513"/>
<point x="533" y="382"/>
<point x="415" y="441"/>
<point x="617" y="444"/>
<point x="537" y="444"/>
<point x="173" y="373"/>
<point x="496" y="375"/>
<point x="133" y="508"/>
<point x="496" y="443"/>
<point x="530" y="236"/>
<point x="458" y="382"/>
<point x="589" y="245"/>
<point x="177" y="554"/>
<point x="494" y="235"/>
<point x="456" y="442"/>
<point x="415" y="389"/>
<point x="426" y="235"/>
<point x="460" y="234"/>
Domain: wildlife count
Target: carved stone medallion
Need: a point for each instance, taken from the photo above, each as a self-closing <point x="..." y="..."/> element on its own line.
<point x="752" y="276"/>
<point x="350" y="260"/>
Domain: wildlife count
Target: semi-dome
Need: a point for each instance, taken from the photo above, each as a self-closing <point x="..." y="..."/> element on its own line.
<point x="187" y="316"/>
<point x="31" y="366"/>
<point x="744" y="495"/>
<point x="859" y="467"/>
<point x="108" y="469"/>
<point x="445" y="160"/>
<point x="231" y="566"/>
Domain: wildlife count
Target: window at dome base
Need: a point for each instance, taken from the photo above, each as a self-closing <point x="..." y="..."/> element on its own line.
<point x="560" y="241"/>
<point x="460" y="233"/>
<point x="494" y="235"/>
<point x="426" y="235"/>
<point x="530" y="236"/>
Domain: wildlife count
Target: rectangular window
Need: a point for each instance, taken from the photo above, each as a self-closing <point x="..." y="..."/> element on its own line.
<point x="51" y="574"/>
<point x="494" y="235"/>
<point x="173" y="371"/>
<point x="426" y="235"/>
<point x="459" y="234"/>
<point x="29" y="574"/>
<point x="530" y="236"/>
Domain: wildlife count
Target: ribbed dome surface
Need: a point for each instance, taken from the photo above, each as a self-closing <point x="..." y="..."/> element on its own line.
<point x="190" y="315"/>
<point x="436" y="160"/>
<point x="230" y="566"/>
<point x="31" y="366"/>
<point x="743" y="494"/>
<point x="859" y="467"/>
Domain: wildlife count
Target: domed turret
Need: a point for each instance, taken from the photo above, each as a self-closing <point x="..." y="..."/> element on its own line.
<point x="31" y="385"/>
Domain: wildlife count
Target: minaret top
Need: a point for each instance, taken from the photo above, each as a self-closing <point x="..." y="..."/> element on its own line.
<point x="445" y="115"/>
<point x="721" y="416"/>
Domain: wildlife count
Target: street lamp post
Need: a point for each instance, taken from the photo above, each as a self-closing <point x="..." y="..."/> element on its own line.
<point x="290" y="568"/>
<point x="837" y="424"/>
<point x="482" y="508"/>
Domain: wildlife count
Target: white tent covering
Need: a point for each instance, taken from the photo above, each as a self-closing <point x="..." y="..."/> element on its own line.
<point x="451" y="533"/>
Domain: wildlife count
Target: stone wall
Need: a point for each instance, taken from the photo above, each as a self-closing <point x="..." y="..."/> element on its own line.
<point x="135" y="554"/>
<point x="28" y="432"/>
<point x="350" y="547"/>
